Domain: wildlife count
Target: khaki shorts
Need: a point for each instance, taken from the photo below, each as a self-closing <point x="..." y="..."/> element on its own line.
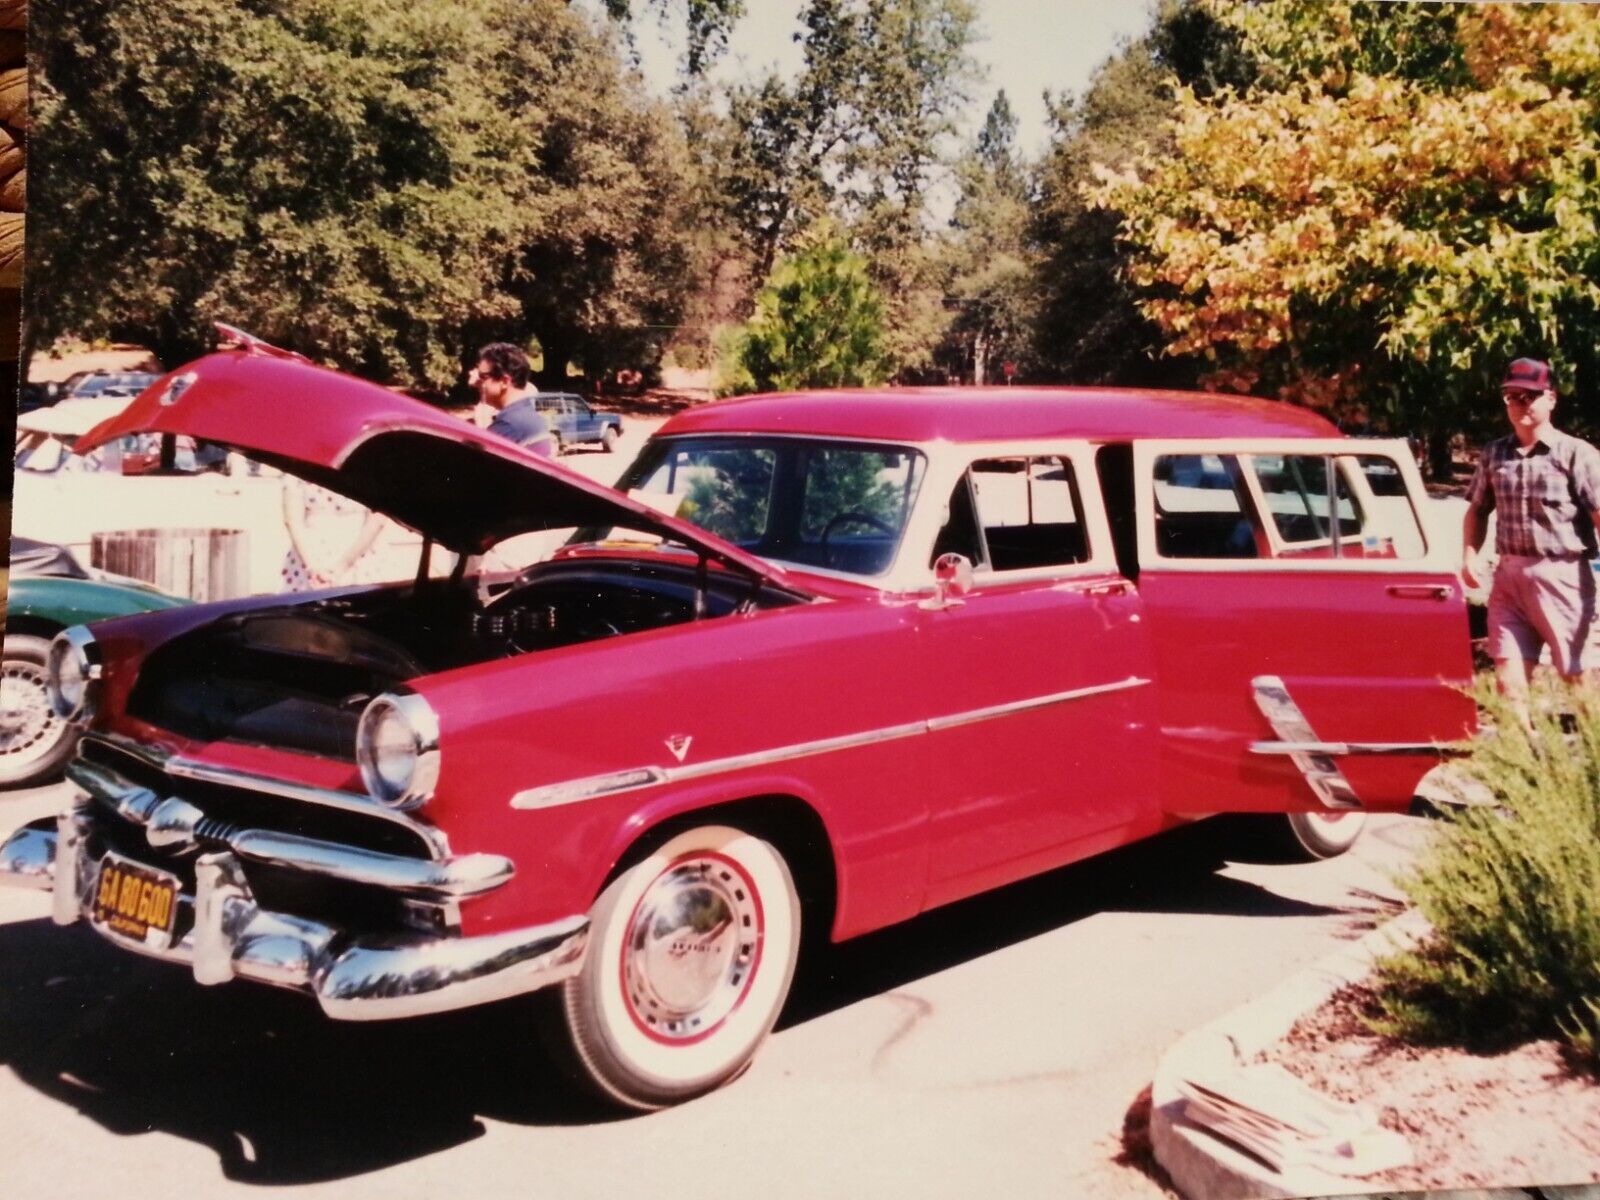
<point x="1542" y="602"/>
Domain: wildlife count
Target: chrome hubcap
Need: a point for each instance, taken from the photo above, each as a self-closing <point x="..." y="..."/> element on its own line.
<point x="692" y="948"/>
<point x="28" y="726"/>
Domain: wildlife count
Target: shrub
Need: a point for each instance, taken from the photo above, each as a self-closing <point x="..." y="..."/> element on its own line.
<point x="1513" y="893"/>
<point x="819" y="323"/>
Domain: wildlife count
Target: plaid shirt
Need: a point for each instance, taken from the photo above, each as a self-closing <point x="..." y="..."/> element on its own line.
<point x="1544" y="496"/>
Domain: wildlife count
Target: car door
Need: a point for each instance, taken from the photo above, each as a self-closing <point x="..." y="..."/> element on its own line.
<point x="1039" y="692"/>
<point x="585" y="425"/>
<point x="1309" y="635"/>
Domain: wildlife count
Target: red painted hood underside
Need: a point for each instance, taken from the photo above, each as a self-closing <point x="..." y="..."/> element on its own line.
<point x="458" y="484"/>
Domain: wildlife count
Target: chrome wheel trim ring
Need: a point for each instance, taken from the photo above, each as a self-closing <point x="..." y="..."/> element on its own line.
<point x="692" y="948"/>
<point x="29" y="727"/>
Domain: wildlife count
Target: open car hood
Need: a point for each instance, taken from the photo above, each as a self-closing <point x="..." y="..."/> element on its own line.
<point x="460" y="485"/>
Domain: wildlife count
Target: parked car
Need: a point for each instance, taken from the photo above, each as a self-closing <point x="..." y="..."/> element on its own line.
<point x="96" y="385"/>
<point x="573" y="422"/>
<point x="820" y="663"/>
<point x="68" y="498"/>
<point x="50" y="590"/>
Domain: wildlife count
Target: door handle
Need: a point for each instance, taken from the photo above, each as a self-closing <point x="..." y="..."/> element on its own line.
<point x="1116" y="588"/>
<point x="1421" y="591"/>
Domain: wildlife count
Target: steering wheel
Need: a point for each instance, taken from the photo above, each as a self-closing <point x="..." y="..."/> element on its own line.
<point x="851" y="516"/>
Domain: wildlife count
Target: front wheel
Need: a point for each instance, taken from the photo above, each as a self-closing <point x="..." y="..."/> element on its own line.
<point x="1318" y="835"/>
<point x="691" y="954"/>
<point x="34" y="743"/>
<point x="609" y="437"/>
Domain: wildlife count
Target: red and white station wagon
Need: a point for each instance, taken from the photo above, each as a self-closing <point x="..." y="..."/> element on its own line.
<point x="820" y="663"/>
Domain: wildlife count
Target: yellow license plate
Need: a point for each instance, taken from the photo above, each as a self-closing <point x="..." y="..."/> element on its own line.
<point x="134" y="900"/>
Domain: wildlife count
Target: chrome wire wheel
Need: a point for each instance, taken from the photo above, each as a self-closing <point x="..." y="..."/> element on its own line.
<point x="690" y="958"/>
<point x="34" y="742"/>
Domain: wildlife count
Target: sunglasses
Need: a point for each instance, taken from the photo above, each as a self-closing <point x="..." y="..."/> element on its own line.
<point x="1520" y="399"/>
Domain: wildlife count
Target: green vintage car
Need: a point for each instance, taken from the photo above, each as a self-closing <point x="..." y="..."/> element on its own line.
<point x="51" y="590"/>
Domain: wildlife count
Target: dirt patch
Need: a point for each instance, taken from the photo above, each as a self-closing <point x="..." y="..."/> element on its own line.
<point x="1134" y="1149"/>
<point x="1503" y="1120"/>
<point x="653" y="402"/>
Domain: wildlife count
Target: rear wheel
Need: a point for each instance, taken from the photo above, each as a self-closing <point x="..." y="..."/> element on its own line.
<point x="34" y="743"/>
<point x="691" y="954"/>
<point x="1317" y="835"/>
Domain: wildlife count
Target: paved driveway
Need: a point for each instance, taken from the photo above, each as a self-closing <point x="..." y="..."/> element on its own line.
<point x="994" y="1047"/>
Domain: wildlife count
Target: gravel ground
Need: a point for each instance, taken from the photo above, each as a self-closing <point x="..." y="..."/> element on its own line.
<point x="1473" y="1121"/>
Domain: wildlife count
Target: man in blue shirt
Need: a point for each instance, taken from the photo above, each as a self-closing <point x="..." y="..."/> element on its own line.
<point x="501" y="378"/>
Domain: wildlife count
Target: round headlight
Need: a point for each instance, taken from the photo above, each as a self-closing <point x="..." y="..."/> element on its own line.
<point x="397" y="748"/>
<point x="72" y="672"/>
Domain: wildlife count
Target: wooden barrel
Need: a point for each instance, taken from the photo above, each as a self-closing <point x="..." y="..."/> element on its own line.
<point x="202" y="564"/>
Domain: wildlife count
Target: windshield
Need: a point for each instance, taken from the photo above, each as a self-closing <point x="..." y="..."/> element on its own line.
<point x="838" y="506"/>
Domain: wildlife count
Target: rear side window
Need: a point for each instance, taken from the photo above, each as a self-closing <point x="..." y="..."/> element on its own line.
<point x="1335" y="506"/>
<point x="1305" y="494"/>
<point x="1203" y="509"/>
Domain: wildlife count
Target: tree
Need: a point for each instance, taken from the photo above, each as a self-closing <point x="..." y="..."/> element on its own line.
<point x="988" y="258"/>
<point x="1406" y="200"/>
<point x="818" y="323"/>
<point x="858" y="136"/>
<point x="1088" y="326"/>
<point x="708" y="24"/>
<point x="373" y="184"/>
<point x="603" y="238"/>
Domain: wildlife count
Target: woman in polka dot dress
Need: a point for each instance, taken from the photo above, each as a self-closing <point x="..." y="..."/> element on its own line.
<point x="331" y="538"/>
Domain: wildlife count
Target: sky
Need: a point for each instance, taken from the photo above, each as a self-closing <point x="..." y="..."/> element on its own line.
<point x="1026" y="47"/>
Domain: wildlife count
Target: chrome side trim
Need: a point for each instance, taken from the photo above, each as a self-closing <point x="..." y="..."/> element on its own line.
<point x="1343" y="748"/>
<point x="174" y="824"/>
<point x="593" y="787"/>
<point x="184" y="768"/>
<point x="1290" y="724"/>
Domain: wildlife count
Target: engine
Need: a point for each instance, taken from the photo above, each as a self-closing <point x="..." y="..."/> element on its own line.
<point x="299" y="676"/>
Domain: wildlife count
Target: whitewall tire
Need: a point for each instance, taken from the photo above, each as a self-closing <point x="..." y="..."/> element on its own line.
<point x="691" y="954"/>
<point x="1317" y="835"/>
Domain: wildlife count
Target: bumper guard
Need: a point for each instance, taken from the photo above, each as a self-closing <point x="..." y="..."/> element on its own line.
<point x="353" y="978"/>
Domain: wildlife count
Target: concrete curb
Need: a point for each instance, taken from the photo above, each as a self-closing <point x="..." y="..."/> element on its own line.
<point x="1204" y="1167"/>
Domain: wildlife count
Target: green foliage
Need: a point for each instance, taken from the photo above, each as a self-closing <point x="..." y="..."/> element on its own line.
<point x="857" y="136"/>
<point x="376" y="184"/>
<point x="819" y="322"/>
<point x="841" y="481"/>
<point x="1513" y="894"/>
<point x="731" y="495"/>
<point x="707" y="24"/>
<point x="1404" y="200"/>
<point x="1087" y="326"/>
<point x="987" y="258"/>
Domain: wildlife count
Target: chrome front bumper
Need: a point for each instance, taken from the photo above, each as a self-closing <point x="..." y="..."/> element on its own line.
<point x="353" y="978"/>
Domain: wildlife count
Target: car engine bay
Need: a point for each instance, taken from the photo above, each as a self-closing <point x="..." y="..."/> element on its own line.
<point x="298" y="676"/>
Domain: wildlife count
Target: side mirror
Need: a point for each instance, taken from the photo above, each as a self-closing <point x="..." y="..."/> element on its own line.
<point x="952" y="580"/>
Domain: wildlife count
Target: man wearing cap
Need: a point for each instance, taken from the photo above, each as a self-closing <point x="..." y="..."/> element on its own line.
<point x="1545" y="486"/>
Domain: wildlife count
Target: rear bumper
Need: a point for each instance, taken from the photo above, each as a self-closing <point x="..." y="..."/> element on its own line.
<point x="353" y="977"/>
